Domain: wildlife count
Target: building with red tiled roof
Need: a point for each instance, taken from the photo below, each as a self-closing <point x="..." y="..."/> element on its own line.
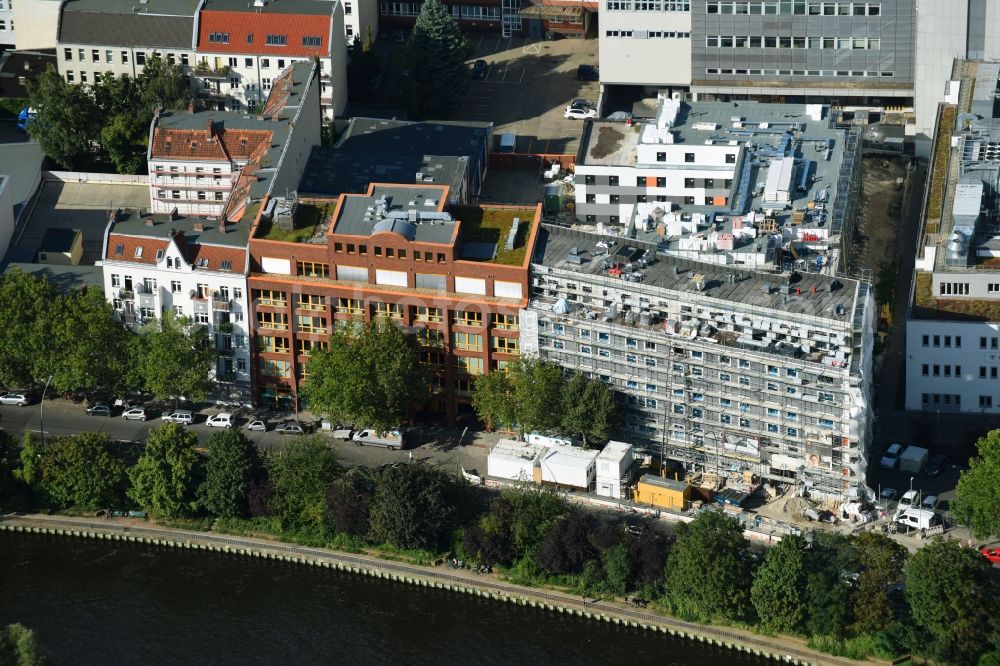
<point x="242" y="47"/>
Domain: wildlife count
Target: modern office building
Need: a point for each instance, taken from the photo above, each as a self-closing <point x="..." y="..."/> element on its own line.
<point x="194" y="261"/>
<point x="953" y="325"/>
<point x="455" y="277"/>
<point x="744" y="183"/>
<point x="722" y="368"/>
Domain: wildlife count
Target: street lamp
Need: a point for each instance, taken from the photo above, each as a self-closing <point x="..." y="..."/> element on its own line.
<point x="911" y="484"/>
<point x="41" y="411"/>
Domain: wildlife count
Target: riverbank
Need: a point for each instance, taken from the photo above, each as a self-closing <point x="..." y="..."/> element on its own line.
<point x="779" y="648"/>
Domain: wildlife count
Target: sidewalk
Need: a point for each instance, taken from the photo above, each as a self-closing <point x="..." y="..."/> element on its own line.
<point x="784" y="648"/>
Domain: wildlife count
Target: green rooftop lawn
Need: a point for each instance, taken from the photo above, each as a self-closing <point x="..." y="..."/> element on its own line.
<point x="307" y="219"/>
<point x="492" y="225"/>
<point x="926" y="306"/>
<point x="939" y="168"/>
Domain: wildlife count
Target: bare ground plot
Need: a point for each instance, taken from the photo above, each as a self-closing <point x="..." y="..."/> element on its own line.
<point x="875" y="236"/>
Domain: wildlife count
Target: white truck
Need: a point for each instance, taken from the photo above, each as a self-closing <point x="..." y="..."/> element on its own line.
<point x="390" y="439"/>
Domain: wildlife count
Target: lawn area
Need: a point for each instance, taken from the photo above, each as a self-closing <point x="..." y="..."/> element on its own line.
<point x="492" y="225"/>
<point x="955" y="309"/>
<point x="939" y="169"/>
<point x="307" y="218"/>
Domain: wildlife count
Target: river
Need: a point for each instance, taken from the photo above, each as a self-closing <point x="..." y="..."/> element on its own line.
<point x="99" y="602"/>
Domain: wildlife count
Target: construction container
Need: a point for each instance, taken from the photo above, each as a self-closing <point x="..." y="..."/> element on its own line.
<point x="569" y="466"/>
<point x="514" y="461"/>
<point x="614" y="467"/>
<point x="552" y="203"/>
<point x="664" y="493"/>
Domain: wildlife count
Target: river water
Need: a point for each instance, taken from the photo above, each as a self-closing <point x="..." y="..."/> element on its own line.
<point x="99" y="602"/>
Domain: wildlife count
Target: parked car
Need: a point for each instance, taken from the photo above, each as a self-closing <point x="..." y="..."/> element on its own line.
<point x="583" y="103"/>
<point x="19" y="399"/>
<point x="257" y="426"/>
<point x="992" y="554"/>
<point x="620" y="117"/>
<point x="391" y="439"/>
<point x="588" y="73"/>
<point x="100" y="409"/>
<point x="930" y="502"/>
<point x="182" y="416"/>
<point x="918" y="519"/>
<point x="343" y="434"/>
<point x="909" y="499"/>
<point x="134" y="414"/>
<point x="891" y="458"/>
<point x="579" y="112"/>
<point x="885" y="497"/>
<point x="935" y="465"/>
<point x="479" y="69"/>
<point x="290" y="428"/>
<point x="221" y="420"/>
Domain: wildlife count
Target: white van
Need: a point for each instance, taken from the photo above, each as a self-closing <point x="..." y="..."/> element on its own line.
<point x="391" y="439"/>
<point x="918" y="519"/>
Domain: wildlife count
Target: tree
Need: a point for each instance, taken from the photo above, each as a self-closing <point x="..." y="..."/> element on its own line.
<point x="978" y="493"/>
<point x="174" y="358"/>
<point x="526" y="395"/>
<point x="369" y="375"/>
<point x="362" y="70"/>
<point x="566" y="548"/>
<point x="417" y="506"/>
<point x="68" y="122"/>
<point x="648" y="554"/>
<point x="11" y="486"/>
<point x="348" y="502"/>
<point x="84" y="471"/>
<point x="162" y="85"/>
<point x="302" y="471"/>
<point x="232" y="464"/>
<point x="25" y="344"/>
<point x="709" y="569"/>
<point x="830" y="557"/>
<point x="19" y="647"/>
<point x="533" y="511"/>
<point x="165" y="479"/>
<point x="952" y="596"/>
<point x="589" y="409"/>
<point x="438" y="50"/>
<point x="30" y="470"/>
<point x="880" y="561"/>
<point x="617" y="569"/>
<point x="778" y="592"/>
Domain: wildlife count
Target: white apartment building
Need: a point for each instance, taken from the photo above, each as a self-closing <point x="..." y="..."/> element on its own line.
<point x="953" y="325"/>
<point x="645" y="42"/>
<point x="724" y="183"/>
<point x="724" y="369"/>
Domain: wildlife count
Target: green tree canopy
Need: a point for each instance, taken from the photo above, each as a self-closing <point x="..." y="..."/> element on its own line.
<point x="19" y="647"/>
<point x="977" y="497"/>
<point x="953" y="597"/>
<point x="12" y="488"/>
<point x="881" y="563"/>
<point x="165" y="478"/>
<point x="526" y="395"/>
<point x="709" y="569"/>
<point x="617" y="569"/>
<point x="68" y="123"/>
<point x="369" y="376"/>
<point x="348" y="502"/>
<point x="302" y="471"/>
<point x="830" y="558"/>
<point x="779" y="587"/>
<point x="438" y="50"/>
<point x="589" y="409"/>
<point x="417" y="506"/>
<point x="84" y="471"/>
<point x="174" y="357"/>
<point x="26" y="348"/>
<point x="232" y="465"/>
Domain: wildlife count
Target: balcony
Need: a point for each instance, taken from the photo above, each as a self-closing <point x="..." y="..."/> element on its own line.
<point x="204" y="71"/>
<point x="126" y="294"/>
<point x="221" y="304"/>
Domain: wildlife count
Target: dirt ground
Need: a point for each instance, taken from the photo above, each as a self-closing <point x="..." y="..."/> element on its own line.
<point x="876" y="229"/>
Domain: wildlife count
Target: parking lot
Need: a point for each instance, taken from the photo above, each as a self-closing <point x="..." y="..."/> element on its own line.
<point x="527" y="87"/>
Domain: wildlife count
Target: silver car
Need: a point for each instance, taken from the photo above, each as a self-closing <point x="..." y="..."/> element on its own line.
<point x="134" y="414"/>
<point x="18" y="399"/>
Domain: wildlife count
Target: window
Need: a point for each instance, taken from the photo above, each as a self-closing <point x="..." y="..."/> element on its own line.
<point x="275" y="320"/>
<point x="312" y="269"/>
<point x="67" y="54"/>
<point x="467" y="341"/>
<point x="69" y="77"/>
<point x="218" y="38"/>
<point x="466" y="318"/>
<point x="272" y="344"/>
<point x="175" y="287"/>
<point x="265" y="63"/>
<point x="506" y="322"/>
<point x="730" y="158"/>
<point x="311" y="324"/>
<point x="318" y="41"/>
<point x="504" y="345"/>
<point x="427" y="314"/>
<point x="472" y="365"/>
<point x="276" y="40"/>
<point x="311" y="302"/>
<point x="390" y="310"/>
<point x="689" y="157"/>
<point x="270" y="297"/>
<point x="825" y="423"/>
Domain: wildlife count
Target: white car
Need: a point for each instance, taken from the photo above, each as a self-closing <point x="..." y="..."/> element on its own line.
<point x="579" y="112"/>
<point x="908" y="500"/>
<point x="182" y="416"/>
<point x="223" y="420"/>
<point x="257" y="426"/>
<point x="891" y="458"/>
<point x="18" y="399"/>
<point x="134" y="414"/>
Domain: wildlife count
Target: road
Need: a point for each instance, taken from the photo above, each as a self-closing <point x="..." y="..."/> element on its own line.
<point x="60" y="417"/>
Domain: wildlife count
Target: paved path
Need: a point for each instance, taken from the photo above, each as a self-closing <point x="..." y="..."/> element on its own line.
<point x="789" y="648"/>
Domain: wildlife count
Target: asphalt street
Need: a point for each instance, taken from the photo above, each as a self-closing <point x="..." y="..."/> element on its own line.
<point x="433" y="445"/>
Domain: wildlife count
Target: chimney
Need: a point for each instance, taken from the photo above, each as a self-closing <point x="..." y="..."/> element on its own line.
<point x="211" y="125"/>
<point x="149" y="221"/>
<point x="174" y="214"/>
<point x="198" y="226"/>
<point x="223" y="228"/>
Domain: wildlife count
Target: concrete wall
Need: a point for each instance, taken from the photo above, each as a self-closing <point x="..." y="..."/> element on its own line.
<point x="305" y="134"/>
<point x="36" y="23"/>
<point x="961" y="358"/>
<point x="334" y="91"/>
<point x="941" y="37"/>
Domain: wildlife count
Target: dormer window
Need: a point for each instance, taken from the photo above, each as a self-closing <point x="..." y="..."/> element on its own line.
<point x="138" y="252"/>
<point x="119" y="249"/>
<point x="226" y="265"/>
<point x="159" y="255"/>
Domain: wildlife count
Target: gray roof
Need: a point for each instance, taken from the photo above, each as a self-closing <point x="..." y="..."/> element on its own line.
<point x="394" y="151"/>
<point x="152" y="24"/>
<point x="664" y="482"/>
<point x="668" y="272"/>
<point x="131" y="224"/>
<point x="65" y="278"/>
<point x="359" y="216"/>
<point x="27" y="157"/>
<point x="59" y="240"/>
<point x="315" y="7"/>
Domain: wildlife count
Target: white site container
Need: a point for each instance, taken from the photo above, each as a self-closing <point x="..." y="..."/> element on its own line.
<point x="514" y="461"/>
<point x="569" y="466"/>
<point x="613" y="464"/>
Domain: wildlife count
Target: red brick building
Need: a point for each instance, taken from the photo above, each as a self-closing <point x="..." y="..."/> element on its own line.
<point x="454" y="278"/>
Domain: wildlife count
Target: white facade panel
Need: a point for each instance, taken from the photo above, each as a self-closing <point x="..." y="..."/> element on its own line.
<point x="276" y="265"/>
<point x="382" y="276"/>
<point x="352" y="273"/>
<point x="644" y="48"/>
<point x="465" y="285"/>
<point x="503" y="289"/>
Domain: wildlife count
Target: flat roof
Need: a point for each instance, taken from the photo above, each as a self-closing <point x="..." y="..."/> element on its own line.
<point x="663" y="482"/>
<point x="412" y="212"/>
<point x="23" y="174"/>
<point x="320" y="7"/>
<point x="394" y="151"/>
<point x="59" y="240"/>
<point x="569" y="456"/>
<point x="65" y="278"/>
<point x="615" y="451"/>
<point x="668" y="272"/>
<point x="520" y="450"/>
